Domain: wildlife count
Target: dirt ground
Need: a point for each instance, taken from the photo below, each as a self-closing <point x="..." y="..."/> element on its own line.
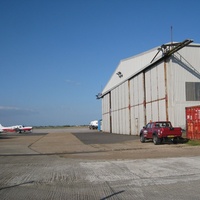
<point x="139" y="151"/>
<point x="65" y="144"/>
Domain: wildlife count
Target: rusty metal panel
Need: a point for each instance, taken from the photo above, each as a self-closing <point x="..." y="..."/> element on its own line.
<point x="131" y="92"/>
<point x="115" y="99"/>
<point x="140" y="88"/>
<point x="135" y="91"/>
<point x="125" y="108"/>
<point x="161" y="81"/>
<point x="155" y="93"/>
<point x="155" y="111"/>
<point x="137" y="104"/>
<point x="137" y="119"/>
<point x="120" y="109"/>
<point x="152" y="94"/>
<point x="141" y="118"/>
<point x="193" y="122"/>
<point x="126" y="121"/>
<point x="134" y="121"/>
<point x="148" y="88"/>
<point x="161" y="95"/>
<point x="154" y="84"/>
<point x="149" y="112"/>
<point x="162" y="110"/>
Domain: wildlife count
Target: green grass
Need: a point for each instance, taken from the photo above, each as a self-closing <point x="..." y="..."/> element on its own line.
<point x="194" y="142"/>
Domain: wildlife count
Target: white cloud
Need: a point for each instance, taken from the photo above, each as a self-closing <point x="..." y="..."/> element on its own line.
<point x="8" y="108"/>
<point x="17" y="110"/>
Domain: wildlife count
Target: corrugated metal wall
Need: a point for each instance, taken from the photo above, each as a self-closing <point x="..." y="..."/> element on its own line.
<point x="106" y="113"/>
<point x="155" y="89"/>
<point x="120" y="109"/>
<point x="137" y="104"/>
<point x="178" y="73"/>
<point x="193" y="122"/>
<point x="155" y="94"/>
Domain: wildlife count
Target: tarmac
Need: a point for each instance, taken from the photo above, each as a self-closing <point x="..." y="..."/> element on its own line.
<point x="64" y="141"/>
<point x="57" y="164"/>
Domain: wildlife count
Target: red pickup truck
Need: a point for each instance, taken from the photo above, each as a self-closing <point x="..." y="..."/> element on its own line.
<point x="160" y="131"/>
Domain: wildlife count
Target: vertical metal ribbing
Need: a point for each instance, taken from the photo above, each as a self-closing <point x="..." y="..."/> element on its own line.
<point x="166" y="94"/>
<point x="129" y="107"/>
<point x="144" y="103"/>
<point x="157" y="82"/>
<point x="110" y="107"/>
<point x="151" y="94"/>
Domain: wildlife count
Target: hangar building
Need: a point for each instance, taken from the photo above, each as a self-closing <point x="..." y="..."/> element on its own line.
<point x="154" y="85"/>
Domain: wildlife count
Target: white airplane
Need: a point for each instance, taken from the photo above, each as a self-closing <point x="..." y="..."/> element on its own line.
<point x="7" y="128"/>
<point x="20" y="128"/>
<point x="16" y="128"/>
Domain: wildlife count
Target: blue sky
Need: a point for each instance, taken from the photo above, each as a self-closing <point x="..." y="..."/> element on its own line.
<point x="56" y="55"/>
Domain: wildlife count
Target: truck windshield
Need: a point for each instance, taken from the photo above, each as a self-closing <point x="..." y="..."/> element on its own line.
<point x="163" y="124"/>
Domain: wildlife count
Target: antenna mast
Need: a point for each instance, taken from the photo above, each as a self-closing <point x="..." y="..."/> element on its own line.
<point x="171" y="35"/>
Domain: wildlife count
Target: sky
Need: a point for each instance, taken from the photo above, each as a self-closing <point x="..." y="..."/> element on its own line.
<point x="57" y="55"/>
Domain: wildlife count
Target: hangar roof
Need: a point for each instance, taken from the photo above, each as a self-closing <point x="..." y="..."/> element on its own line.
<point x="131" y="66"/>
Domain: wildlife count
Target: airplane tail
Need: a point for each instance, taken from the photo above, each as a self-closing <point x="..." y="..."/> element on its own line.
<point x="1" y="130"/>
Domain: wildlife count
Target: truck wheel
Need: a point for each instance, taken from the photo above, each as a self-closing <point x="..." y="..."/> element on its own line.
<point x="142" y="138"/>
<point x="175" y="140"/>
<point x="156" y="140"/>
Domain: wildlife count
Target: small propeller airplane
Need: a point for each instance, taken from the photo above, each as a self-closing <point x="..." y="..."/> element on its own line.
<point x="7" y="128"/>
<point x="21" y="128"/>
<point x="16" y="128"/>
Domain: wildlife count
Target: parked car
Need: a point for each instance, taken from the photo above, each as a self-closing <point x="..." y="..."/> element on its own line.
<point x="93" y="124"/>
<point x="160" y="131"/>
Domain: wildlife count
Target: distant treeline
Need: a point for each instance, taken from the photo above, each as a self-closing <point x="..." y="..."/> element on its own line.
<point x="64" y="126"/>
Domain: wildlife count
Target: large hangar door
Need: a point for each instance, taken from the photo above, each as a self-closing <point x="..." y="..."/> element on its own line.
<point x="110" y="111"/>
<point x="106" y="113"/>
<point x="120" y="109"/>
<point x="156" y="96"/>
<point x="137" y="103"/>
